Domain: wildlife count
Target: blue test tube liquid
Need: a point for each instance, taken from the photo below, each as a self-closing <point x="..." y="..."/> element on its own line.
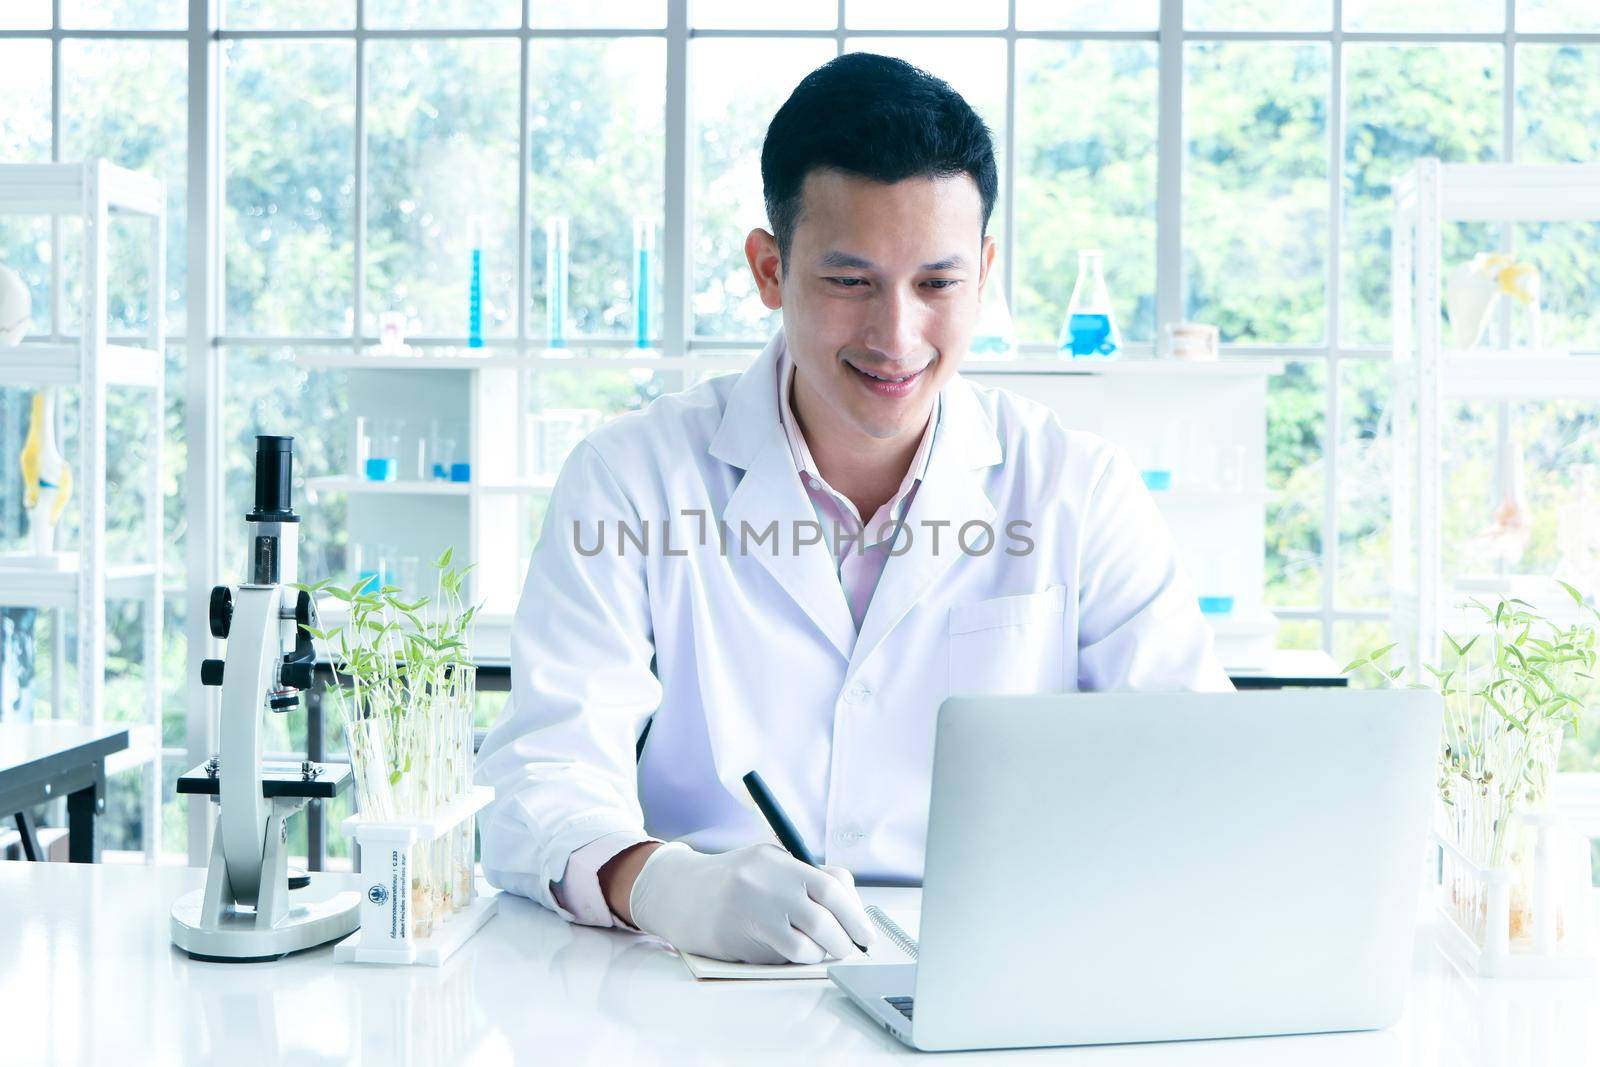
<point x="555" y="281"/>
<point x="644" y="254"/>
<point x="475" y="286"/>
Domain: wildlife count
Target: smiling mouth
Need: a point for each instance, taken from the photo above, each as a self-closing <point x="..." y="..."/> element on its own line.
<point x="901" y="379"/>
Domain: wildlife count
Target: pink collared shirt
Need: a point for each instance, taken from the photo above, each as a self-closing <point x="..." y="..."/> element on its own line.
<point x="860" y="552"/>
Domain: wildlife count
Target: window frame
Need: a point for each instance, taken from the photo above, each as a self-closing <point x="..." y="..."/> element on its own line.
<point x="206" y="342"/>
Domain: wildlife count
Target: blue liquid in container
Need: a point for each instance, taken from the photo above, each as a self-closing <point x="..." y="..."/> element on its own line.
<point x="642" y="326"/>
<point x="369" y="581"/>
<point x="1157" y="479"/>
<point x="461" y="472"/>
<point x="380" y="469"/>
<point x="1090" y="335"/>
<point x="475" y="302"/>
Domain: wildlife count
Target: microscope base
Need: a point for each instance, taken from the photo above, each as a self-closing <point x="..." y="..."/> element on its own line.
<point x="237" y="938"/>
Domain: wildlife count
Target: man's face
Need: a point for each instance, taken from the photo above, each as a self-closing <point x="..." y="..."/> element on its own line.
<point x="880" y="297"/>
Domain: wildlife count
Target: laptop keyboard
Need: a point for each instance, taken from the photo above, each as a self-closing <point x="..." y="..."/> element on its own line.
<point x="901" y="1005"/>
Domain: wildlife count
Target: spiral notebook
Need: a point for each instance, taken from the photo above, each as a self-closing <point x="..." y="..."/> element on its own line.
<point x="897" y="931"/>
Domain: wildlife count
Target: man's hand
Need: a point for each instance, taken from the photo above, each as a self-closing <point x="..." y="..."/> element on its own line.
<point x="754" y="905"/>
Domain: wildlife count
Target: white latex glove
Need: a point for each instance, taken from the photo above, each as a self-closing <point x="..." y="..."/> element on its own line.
<point x="756" y="904"/>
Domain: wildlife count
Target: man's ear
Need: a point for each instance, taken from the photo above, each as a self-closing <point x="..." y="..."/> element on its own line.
<point x="761" y="249"/>
<point x="985" y="262"/>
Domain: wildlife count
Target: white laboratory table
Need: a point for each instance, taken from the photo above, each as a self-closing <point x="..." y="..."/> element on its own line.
<point x="87" y="976"/>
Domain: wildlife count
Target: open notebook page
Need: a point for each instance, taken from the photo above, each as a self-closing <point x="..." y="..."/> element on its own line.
<point x="884" y="951"/>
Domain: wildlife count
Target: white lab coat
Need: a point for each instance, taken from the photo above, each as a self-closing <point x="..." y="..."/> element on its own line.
<point x="751" y="660"/>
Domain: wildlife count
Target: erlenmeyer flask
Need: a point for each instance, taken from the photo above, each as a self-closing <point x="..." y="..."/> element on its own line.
<point x="1090" y="331"/>
<point x="994" y="336"/>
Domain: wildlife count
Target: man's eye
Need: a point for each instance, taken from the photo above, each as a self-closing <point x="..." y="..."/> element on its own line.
<point x="849" y="283"/>
<point x="943" y="283"/>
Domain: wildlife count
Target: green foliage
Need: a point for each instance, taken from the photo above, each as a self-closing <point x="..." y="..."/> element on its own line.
<point x="1512" y="692"/>
<point x="391" y="648"/>
<point x="1256" y="190"/>
<point x="1086" y="178"/>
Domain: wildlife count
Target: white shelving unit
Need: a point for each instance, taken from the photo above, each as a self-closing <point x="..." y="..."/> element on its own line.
<point x="1182" y="409"/>
<point x="485" y="519"/>
<point x="1428" y="376"/>
<point x="421" y="488"/>
<point x="93" y="192"/>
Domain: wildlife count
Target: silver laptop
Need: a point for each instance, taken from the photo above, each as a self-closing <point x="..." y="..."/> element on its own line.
<point x="1120" y="867"/>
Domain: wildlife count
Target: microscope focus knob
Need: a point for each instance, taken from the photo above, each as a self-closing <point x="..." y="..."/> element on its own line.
<point x="211" y="672"/>
<point x="296" y="674"/>
<point x="221" y="611"/>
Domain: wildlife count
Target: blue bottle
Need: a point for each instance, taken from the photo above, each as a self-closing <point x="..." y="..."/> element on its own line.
<point x="1090" y="331"/>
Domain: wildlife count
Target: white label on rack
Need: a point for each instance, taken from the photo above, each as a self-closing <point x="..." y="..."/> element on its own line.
<point x="386" y="906"/>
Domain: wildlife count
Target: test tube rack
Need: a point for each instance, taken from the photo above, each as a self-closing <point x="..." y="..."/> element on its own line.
<point x="1477" y="902"/>
<point x="389" y="850"/>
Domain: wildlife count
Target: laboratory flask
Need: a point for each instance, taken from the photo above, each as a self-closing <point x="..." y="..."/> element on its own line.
<point x="1090" y="331"/>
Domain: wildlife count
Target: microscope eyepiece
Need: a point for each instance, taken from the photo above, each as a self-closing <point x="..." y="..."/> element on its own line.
<point x="274" y="471"/>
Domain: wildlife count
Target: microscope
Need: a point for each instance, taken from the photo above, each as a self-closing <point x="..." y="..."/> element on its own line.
<point x="251" y="908"/>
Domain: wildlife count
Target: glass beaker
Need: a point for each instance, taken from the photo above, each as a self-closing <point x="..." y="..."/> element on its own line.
<point x="444" y="451"/>
<point x="995" y="335"/>
<point x="359" y="443"/>
<point x="382" y="450"/>
<point x="419" y="465"/>
<point x="1090" y="331"/>
<point x="1189" y="340"/>
<point x="441" y="448"/>
<point x="403" y="572"/>
<point x="367" y="566"/>
<point x="387" y="556"/>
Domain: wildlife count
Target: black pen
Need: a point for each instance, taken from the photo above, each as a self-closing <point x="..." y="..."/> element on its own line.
<point x="788" y="836"/>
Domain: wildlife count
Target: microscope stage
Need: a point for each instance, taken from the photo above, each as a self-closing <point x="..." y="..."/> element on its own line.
<point x="277" y="780"/>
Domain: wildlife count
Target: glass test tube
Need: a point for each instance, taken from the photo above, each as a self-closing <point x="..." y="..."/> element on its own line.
<point x="644" y="254"/>
<point x="555" y="280"/>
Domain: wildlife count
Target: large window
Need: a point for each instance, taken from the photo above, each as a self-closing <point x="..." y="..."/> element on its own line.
<point x="123" y="96"/>
<point x="1234" y="158"/>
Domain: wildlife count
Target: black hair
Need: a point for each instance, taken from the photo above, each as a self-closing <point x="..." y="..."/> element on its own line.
<point x="878" y="118"/>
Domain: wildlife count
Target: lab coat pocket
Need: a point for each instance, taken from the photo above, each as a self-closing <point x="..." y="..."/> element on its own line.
<point x="1010" y="644"/>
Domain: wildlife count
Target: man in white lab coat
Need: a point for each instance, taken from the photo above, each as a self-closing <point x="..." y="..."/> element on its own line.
<point x="787" y="570"/>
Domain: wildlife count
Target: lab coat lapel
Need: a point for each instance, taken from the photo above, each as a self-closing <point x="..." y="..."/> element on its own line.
<point x="750" y="437"/>
<point x="951" y="493"/>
